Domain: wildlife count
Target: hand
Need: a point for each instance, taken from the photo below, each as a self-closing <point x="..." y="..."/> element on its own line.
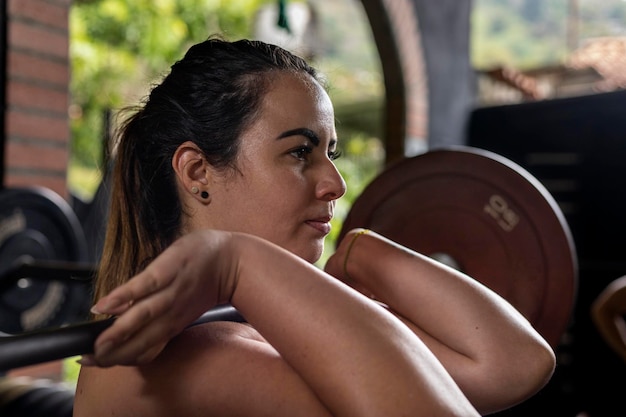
<point x="194" y="274"/>
<point x="338" y="262"/>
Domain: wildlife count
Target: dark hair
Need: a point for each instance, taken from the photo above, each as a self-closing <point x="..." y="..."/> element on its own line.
<point x="209" y="97"/>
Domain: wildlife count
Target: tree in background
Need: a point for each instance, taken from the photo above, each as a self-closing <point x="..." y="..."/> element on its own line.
<point x="528" y="34"/>
<point x="119" y="47"/>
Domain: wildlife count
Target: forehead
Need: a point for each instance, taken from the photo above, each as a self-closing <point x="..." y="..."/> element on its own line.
<point x="292" y="101"/>
<point x="297" y="98"/>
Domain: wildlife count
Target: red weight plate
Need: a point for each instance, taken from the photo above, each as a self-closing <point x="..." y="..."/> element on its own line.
<point x="493" y="218"/>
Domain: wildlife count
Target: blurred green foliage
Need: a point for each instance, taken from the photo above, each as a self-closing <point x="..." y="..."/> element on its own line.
<point x="119" y="47"/>
<point x="537" y="33"/>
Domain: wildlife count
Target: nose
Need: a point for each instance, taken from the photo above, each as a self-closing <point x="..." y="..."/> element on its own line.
<point x="331" y="184"/>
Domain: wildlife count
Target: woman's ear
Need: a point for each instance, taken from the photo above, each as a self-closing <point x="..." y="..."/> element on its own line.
<point x="191" y="170"/>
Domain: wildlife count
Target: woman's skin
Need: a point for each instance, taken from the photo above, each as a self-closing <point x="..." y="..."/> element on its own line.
<point x="437" y="344"/>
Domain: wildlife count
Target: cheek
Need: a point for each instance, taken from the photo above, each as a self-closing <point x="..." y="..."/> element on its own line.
<point x="264" y="208"/>
<point x="281" y="189"/>
<point x="269" y="200"/>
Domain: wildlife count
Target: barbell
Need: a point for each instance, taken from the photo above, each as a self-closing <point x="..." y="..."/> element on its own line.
<point x="41" y="242"/>
<point x="469" y="208"/>
<point x="485" y="215"/>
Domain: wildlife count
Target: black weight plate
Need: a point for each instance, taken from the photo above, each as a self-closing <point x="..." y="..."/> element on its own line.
<point x="38" y="223"/>
<point x="490" y="216"/>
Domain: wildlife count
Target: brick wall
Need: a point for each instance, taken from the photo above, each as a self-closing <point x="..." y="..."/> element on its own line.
<point x="37" y="130"/>
<point x="36" y="126"/>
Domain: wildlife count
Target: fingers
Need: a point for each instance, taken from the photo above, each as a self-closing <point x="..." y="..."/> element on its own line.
<point x="158" y="303"/>
<point x="147" y="282"/>
<point x="149" y="323"/>
<point x="142" y="331"/>
<point x="136" y="351"/>
<point x="139" y="348"/>
<point x="142" y="328"/>
<point x="334" y="266"/>
<point x="87" y="360"/>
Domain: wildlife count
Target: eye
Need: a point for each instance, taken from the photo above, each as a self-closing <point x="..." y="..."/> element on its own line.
<point x="333" y="155"/>
<point x="301" y="152"/>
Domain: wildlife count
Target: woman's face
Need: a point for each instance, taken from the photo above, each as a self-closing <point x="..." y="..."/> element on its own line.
<point x="287" y="184"/>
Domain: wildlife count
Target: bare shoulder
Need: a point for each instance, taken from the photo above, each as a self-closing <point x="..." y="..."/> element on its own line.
<point x="219" y="368"/>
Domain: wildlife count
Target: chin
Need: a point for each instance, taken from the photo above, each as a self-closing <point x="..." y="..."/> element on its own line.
<point x="311" y="254"/>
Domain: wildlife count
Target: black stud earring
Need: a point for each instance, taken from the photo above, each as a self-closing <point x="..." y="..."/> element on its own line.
<point x="204" y="194"/>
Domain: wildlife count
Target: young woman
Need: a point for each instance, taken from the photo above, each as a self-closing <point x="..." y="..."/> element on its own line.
<point x="224" y="188"/>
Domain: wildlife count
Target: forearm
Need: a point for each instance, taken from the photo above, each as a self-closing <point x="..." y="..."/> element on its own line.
<point x="417" y="288"/>
<point x="358" y="358"/>
<point x="487" y="346"/>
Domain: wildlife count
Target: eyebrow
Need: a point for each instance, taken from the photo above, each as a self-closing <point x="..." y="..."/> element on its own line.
<point x="307" y="133"/>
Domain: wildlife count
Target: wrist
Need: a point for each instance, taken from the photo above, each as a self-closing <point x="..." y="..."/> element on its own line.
<point x="351" y="244"/>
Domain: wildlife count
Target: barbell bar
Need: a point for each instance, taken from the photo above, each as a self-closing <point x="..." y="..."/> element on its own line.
<point x="46" y="345"/>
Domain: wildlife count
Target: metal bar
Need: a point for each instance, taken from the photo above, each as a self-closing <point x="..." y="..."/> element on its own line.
<point x="52" y="344"/>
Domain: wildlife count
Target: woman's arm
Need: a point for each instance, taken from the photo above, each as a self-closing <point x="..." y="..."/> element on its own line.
<point x="488" y="347"/>
<point x="358" y="358"/>
<point x="608" y="312"/>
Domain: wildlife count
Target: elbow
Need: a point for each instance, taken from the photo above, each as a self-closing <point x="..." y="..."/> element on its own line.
<point x="532" y="374"/>
<point x="533" y="369"/>
<point x="538" y="369"/>
<point x="530" y="364"/>
<point x="516" y="378"/>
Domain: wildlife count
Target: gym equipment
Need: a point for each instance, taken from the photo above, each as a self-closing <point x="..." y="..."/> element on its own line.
<point x="39" y="235"/>
<point x="49" y="344"/>
<point x="575" y="146"/>
<point x="486" y="215"/>
<point x="23" y="396"/>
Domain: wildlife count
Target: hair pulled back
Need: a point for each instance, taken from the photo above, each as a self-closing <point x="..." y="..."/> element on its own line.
<point x="209" y="97"/>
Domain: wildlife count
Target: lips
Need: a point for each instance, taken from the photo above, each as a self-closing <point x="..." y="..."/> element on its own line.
<point x="321" y="224"/>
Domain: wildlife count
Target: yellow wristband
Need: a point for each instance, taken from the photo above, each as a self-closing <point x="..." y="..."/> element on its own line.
<point x="345" y="260"/>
